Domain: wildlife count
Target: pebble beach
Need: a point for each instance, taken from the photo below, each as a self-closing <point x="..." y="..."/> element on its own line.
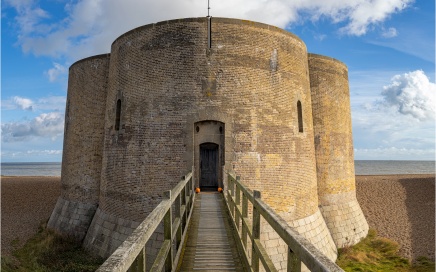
<point x="399" y="207"/>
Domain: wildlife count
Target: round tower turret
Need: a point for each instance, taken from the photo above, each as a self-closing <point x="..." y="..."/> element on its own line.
<point x="216" y="95"/>
<point x="83" y="147"/>
<point x="334" y="150"/>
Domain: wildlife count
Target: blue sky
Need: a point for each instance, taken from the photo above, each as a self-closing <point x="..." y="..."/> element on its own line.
<point x="388" y="46"/>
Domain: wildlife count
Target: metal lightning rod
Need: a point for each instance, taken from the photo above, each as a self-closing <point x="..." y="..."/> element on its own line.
<point x="209" y="26"/>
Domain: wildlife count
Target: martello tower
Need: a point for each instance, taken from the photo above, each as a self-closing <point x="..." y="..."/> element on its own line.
<point x="207" y="95"/>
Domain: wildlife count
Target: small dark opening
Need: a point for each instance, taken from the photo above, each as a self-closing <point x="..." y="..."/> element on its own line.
<point x="209" y="160"/>
<point x="221" y="130"/>
<point x="118" y="115"/>
<point x="300" y="117"/>
<point x="197" y="128"/>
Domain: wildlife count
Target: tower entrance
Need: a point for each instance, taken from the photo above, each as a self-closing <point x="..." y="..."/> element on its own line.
<point x="209" y="154"/>
<point x="209" y="166"/>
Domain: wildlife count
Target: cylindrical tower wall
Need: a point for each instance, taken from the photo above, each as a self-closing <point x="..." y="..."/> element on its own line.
<point x="166" y="79"/>
<point x="153" y="77"/>
<point x="266" y="72"/>
<point x="334" y="150"/>
<point x="83" y="146"/>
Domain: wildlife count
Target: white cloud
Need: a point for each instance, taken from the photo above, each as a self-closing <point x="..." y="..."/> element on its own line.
<point x="33" y="152"/>
<point x="389" y="153"/>
<point x="49" y="103"/>
<point x="390" y="33"/>
<point x="368" y="13"/>
<point x="390" y="122"/>
<point x="320" y="37"/>
<point x="92" y="25"/>
<point x="57" y="71"/>
<point x="23" y="103"/>
<point x="45" y="152"/>
<point x="29" y="15"/>
<point x="411" y="94"/>
<point x="45" y="125"/>
<point x="33" y="155"/>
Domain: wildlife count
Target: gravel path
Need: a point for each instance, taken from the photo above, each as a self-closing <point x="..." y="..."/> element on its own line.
<point x="400" y="207"/>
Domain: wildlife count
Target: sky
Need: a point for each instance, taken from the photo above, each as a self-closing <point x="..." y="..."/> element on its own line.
<point x="388" y="46"/>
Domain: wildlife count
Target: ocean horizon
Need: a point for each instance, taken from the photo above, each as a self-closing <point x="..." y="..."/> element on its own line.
<point x="31" y="169"/>
<point x="362" y="167"/>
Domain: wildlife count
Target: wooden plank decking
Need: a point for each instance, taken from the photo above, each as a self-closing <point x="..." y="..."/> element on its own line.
<point x="210" y="243"/>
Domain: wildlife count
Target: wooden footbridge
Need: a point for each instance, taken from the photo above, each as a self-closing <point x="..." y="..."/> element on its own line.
<point x="213" y="231"/>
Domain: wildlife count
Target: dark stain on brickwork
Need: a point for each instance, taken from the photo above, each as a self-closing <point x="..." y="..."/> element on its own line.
<point x="179" y="37"/>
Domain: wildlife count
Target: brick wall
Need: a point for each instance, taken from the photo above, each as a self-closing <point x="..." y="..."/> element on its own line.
<point x="167" y="80"/>
<point x="83" y="146"/>
<point x="334" y="150"/>
<point x="164" y="74"/>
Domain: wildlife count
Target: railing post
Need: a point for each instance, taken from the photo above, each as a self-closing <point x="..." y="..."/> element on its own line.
<point x="231" y="203"/>
<point x="190" y="191"/>
<point x="178" y="206"/>
<point x="237" y="200"/>
<point x="244" y="216"/>
<point x="294" y="263"/>
<point x="183" y="217"/>
<point x="168" y="233"/>
<point x="256" y="232"/>
<point x="139" y="265"/>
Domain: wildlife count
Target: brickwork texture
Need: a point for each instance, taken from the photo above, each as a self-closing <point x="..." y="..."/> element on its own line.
<point x="280" y="116"/>
<point x="83" y="147"/>
<point x="334" y="150"/>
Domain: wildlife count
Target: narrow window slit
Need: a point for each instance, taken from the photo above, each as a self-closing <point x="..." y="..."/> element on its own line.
<point x="118" y="115"/>
<point x="300" y="117"/>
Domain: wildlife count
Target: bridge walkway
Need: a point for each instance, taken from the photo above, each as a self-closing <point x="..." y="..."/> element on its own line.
<point x="210" y="242"/>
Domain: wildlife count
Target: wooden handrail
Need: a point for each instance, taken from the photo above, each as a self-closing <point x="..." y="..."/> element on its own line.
<point x="130" y="255"/>
<point x="299" y="248"/>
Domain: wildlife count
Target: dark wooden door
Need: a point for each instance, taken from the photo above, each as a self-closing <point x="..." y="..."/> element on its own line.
<point x="209" y="166"/>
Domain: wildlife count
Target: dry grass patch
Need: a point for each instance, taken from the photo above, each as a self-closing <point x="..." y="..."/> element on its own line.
<point x="379" y="254"/>
<point x="47" y="252"/>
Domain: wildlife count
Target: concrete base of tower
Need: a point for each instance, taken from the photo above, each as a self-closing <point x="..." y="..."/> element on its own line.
<point x="346" y="222"/>
<point x="311" y="227"/>
<point x="71" y="218"/>
<point x="108" y="232"/>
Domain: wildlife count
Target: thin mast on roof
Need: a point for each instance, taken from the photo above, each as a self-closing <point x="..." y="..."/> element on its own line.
<point x="209" y="27"/>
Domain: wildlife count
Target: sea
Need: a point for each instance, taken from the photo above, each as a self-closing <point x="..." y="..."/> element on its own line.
<point x="31" y="168"/>
<point x="361" y="168"/>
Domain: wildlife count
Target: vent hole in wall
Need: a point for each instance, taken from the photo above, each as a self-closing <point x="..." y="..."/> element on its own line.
<point x="197" y="128"/>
